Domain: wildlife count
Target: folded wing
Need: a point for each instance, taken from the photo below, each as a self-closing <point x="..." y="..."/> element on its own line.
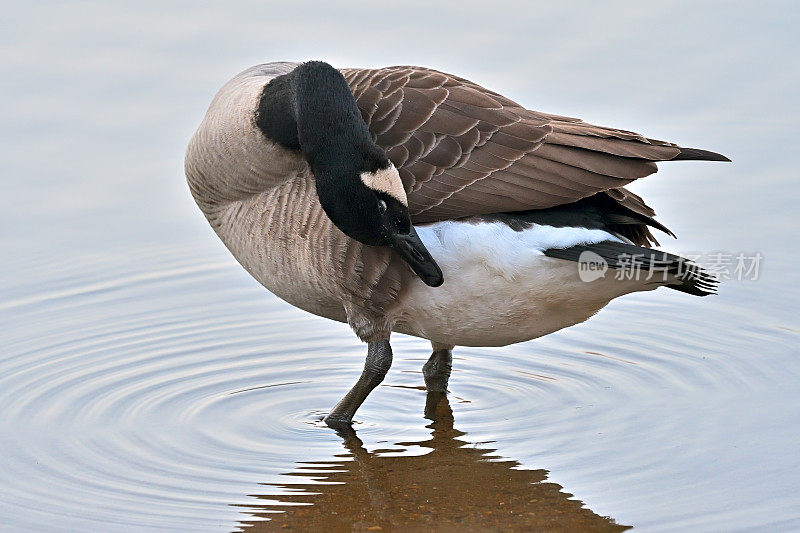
<point x="464" y="150"/>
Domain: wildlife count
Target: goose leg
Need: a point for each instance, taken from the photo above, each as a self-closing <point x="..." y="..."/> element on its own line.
<point x="379" y="360"/>
<point x="437" y="370"/>
<point x="437" y="373"/>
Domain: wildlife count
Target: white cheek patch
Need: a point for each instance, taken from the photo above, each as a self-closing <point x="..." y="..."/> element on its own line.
<point x="387" y="181"/>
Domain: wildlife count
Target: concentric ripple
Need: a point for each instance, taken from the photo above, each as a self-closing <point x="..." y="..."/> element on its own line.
<point x="159" y="389"/>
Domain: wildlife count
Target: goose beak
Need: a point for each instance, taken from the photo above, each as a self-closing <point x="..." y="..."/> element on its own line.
<point x="413" y="252"/>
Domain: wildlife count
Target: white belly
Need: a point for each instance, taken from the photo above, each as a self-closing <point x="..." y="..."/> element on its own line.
<point x="501" y="289"/>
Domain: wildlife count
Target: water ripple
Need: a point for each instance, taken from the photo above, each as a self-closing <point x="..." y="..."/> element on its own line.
<point x="166" y="387"/>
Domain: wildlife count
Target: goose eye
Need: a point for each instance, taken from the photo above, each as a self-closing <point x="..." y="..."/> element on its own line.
<point x="381" y="206"/>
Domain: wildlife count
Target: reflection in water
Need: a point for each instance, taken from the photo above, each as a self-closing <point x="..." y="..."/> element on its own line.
<point x="154" y="404"/>
<point x="454" y="486"/>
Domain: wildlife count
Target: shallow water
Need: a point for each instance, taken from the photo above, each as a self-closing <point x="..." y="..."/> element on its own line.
<point x="146" y="382"/>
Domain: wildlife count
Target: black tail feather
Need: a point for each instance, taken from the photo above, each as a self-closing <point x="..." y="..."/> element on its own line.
<point x="682" y="274"/>
<point x="697" y="154"/>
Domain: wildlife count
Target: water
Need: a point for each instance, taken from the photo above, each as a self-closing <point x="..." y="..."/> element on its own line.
<point x="146" y="382"/>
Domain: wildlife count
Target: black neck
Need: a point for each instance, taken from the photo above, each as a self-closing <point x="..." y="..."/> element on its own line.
<point x="311" y="109"/>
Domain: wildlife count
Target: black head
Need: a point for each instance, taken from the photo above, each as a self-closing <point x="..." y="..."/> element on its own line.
<point x="370" y="206"/>
<point x="311" y="110"/>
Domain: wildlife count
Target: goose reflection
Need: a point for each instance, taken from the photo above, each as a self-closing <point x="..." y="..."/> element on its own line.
<point x="456" y="486"/>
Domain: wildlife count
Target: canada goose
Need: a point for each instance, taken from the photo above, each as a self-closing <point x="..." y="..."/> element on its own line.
<point x="327" y="185"/>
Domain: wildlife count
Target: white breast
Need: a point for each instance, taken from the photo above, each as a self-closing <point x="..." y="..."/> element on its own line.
<point x="501" y="289"/>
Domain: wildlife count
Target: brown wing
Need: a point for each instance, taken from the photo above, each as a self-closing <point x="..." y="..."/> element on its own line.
<point x="464" y="150"/>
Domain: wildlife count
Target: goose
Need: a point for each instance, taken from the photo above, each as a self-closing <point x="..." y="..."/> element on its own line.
<point x="404" y="199"/>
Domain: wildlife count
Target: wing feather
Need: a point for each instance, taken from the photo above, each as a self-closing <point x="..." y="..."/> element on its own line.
<point x="465" y="150"/>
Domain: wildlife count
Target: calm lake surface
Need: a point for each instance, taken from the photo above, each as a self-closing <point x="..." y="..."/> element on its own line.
<point x="147" y="383"/>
